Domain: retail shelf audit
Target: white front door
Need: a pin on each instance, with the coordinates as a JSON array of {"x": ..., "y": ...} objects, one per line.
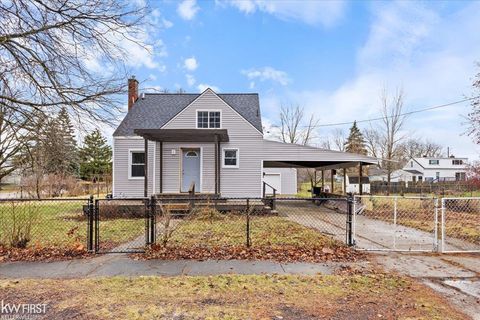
[
  {"x": 190, "y": 169},
  {"x": 275, "y": 180}
]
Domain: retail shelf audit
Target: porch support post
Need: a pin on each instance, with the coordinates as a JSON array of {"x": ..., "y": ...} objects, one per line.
[
  {"x": 332, "y": 173},
  {"x": 216, "y": 164},
  {"x": 219, "y": 161},
  {"x": 360, "y": 178},
  {"x": 161, "y": 167},
  {"x": 145, "y": 170},
  {"x": 344, "y": 181}
]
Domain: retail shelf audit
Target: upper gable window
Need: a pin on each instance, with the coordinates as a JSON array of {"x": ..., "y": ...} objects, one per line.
[
  {"x": 208, "y": 119},
  {"x": 457, "y": 162},
  {"x": 433, "y": 162}
]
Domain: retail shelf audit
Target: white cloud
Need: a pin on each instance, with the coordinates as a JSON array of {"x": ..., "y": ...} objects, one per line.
[
  {"x": 267, "y": 73},
  {"x": 312, "y": 12},
  {"x": 418, "y": 49},
  {"x": 190, "y": 64},
  {"x": 203, "y": 86},
  {"x": 187, "y": 9},
  {"x": 190, "y": 80}
]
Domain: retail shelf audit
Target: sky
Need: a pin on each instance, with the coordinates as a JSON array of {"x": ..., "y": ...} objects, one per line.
[{"x": 331, "y": 58}]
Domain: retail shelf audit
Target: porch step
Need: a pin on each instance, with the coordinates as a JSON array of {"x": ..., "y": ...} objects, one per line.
[{"x": 179, "y": 196}]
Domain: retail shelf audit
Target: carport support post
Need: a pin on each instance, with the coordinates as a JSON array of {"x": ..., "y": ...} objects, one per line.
[
  {"x": 360, "y": 176},
  {"x": 332, "y": 173},
  {"x": 344, "y": 181},
  {"x": 145, "y": 170},
  {"x": 323, "y": 181}
]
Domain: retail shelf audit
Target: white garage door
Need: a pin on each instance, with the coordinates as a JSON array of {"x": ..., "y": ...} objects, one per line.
[{"x": 275, "y": 180}]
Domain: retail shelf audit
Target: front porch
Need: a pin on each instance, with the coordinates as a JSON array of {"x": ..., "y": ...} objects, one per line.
[{"x": 187, "y": 137}]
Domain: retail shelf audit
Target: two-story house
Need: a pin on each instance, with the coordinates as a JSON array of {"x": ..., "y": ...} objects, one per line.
[
  {"x": 436, "y": 169},
  {"x": 168, "y": 142}
]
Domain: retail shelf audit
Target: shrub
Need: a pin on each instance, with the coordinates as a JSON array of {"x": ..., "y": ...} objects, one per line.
[{"x": 17, "y": 228}]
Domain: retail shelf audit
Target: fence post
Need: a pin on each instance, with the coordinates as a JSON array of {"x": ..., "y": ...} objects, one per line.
[
  {"x": 97, "y": 227},
  {"x": 435, "y": 230},
  {"x": 90, "y": 224},
  {"x": 153, "y": 209},
  {"x": 442, "y": 248},
  {"x": 395, "y": 200},
  {"x": 248, "y": 223},
  {"x": 349, "y": 226}
]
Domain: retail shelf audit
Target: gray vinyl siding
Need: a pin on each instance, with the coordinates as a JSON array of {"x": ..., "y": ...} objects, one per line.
[
  {"x": 244, "y": 181},
  {"x": 123, "y": 186},
  {"x": 288, "y": 178}
]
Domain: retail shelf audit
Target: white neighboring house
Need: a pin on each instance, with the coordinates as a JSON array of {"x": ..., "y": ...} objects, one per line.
[
  {"x": 436, "y": 169},
  {"x": 354, "y": 187},
  {"x": 401, "y": 175}
]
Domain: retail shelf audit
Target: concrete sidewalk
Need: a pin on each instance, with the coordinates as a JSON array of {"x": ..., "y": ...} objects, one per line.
[
  {"x": 121, "y": 265},
  {"x": 456, "y": 277}
]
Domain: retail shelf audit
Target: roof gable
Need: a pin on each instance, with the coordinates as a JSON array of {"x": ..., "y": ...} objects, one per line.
[{"x": 157, "y": 109}]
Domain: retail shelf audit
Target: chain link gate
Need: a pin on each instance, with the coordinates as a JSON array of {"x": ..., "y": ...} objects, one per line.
[
  {"x": 121, "y": 225},
  {"x": 395, "y": 223}
]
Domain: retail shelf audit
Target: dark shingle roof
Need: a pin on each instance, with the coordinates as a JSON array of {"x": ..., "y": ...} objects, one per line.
[{"x": 156, "y": 109}]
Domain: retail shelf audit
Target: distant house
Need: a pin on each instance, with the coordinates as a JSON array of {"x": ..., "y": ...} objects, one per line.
[
  {"x": 169, "y": 143},
  {"x": 353, "y": 185},
  {"x": 436, "y": 169},
  {"x": 377, "y": 174}
]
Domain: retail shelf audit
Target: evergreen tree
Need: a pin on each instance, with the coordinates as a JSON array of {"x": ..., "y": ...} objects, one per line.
[
  {"x": 58, "y": 145},
  {"x": 95, "y": 156},
  {"x": 355, "y": 142}
]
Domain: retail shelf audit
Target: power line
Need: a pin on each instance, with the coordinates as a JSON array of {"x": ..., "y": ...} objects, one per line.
[{"x": 402, "y": 114}]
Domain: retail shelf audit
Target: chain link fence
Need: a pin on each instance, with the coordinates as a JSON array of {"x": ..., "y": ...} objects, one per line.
[
  {"x": 130, "y": 225},
  {"x": 187, "y": 224},
  {"x": 460, "y": 229},
  {"x": 46, "y": 223}
]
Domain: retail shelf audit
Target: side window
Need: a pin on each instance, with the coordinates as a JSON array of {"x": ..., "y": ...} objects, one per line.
[
  {"x": 230, "y": 158},
  {"x": 137, "y": 164}
]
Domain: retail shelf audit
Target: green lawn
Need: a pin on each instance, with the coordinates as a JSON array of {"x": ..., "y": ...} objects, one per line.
[
  {"x": 60, "y": 224},
  {"x": 375, "y": 296}
]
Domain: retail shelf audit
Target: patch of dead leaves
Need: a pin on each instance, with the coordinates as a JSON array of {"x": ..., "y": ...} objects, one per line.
[
  {"x": 38, "y": 253},
  {"x": 276, "y": 253}
]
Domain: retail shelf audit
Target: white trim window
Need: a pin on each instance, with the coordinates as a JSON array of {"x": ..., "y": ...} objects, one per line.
[
  {"x": 231, "y": 158},
  {"x": 136, "y": 165},
  {"x": 209, "y": 119}
]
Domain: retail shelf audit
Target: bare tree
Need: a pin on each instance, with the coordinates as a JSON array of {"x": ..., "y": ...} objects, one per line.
[
  {"x": 294, "y": 128},
  {"x": 413, "y": 148},
  {"x": 339, "y": 139},
  {"x": 373, "y": 142},
  {"x": 45, "y": 49},
  {"x": 474, "y": 115},
  {"x": 390, "y": 130}
]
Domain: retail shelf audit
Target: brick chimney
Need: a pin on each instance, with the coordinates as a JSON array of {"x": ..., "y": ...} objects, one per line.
[{"x": 132, "y": 91}]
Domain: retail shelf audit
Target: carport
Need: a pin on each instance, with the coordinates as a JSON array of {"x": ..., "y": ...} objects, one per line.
[{"x": 284, "y": 155}]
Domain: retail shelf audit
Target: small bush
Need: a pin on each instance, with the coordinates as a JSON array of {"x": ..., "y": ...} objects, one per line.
[{"x": 17, "y": 232}]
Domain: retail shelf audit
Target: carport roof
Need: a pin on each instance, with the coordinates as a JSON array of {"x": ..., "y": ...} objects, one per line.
[{"x": 288, "y": 155}]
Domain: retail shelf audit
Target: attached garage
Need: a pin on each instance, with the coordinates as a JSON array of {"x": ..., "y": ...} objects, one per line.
[{"x": 284, "y": 180}]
